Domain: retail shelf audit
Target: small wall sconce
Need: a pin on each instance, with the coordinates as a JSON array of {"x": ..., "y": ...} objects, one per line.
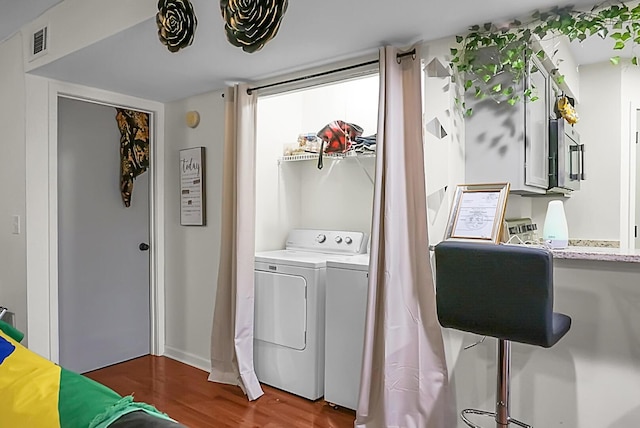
[{"x": 192, "y": 118}]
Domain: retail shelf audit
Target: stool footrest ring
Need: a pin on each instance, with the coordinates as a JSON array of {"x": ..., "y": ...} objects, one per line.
[{"x": 465, "y": 412}]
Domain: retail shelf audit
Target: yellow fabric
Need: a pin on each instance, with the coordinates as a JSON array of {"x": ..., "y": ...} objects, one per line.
[
  {"x": 29, "y": 387},
  {"x": 567, "y": 110}
]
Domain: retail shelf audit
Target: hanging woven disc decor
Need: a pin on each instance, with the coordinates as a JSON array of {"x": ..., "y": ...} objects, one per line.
[
  {"x": 176, "y": 23},
  {"x": 250, "y": 24}
]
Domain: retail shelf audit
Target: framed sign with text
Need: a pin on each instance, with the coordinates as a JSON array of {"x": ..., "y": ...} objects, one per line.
[
  {"x": 477, "y": 212},
  {"x": 192, "y": 187}
]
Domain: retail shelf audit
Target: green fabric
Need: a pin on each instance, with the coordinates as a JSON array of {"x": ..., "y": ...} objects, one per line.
[
  {"x": 80, "y": 399},
  {"x": 124, "y": 406},
  {"x": 11, "y": 331}
]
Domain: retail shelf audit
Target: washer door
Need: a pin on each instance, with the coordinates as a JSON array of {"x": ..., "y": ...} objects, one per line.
[{"x": 281, "y": 309}]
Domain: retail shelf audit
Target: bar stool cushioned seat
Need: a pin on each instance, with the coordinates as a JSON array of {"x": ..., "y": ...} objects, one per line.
[{"x": 502, "y": 291}]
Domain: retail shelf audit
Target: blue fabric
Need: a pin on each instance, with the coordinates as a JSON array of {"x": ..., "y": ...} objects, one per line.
[{"x": 6, "y": 349}]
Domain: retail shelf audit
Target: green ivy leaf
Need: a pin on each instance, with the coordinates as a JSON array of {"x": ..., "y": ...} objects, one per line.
[
  {"x": 468, "y": 112},
  {"x": 513, "y": 43},
  {"x": 508, "y": 91},
  {"x": 468, "y": 84}
]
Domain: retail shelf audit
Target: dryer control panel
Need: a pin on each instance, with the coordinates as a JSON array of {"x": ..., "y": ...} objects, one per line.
[{"x": 327, "y": 241}]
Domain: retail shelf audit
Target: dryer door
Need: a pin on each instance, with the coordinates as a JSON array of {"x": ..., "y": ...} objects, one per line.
[{"x": 281, "y": 309}]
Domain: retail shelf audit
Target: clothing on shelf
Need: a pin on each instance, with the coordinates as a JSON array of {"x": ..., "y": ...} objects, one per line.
[{"x": 365, "y": 145}]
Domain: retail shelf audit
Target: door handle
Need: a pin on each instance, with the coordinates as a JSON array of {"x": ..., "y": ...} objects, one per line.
[
  {"x": 143, "y": 246},
  {"x": 582, "y": 176},
  {"x": 574, "y": 149}
]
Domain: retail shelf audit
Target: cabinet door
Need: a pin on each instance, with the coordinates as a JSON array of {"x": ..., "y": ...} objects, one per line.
[{"x": 536, "y": 166}]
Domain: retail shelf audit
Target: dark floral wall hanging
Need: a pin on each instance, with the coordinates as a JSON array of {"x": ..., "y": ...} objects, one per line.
[
  {"x": 176, "y": 23},
  {"x": 250, "y": 24},
  {"x": 134, "y": 149}
]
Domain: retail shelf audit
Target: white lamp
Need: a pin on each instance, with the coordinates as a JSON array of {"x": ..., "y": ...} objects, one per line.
[{"x": 555, "y": 231}]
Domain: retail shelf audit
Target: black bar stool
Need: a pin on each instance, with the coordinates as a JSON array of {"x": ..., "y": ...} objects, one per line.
[{"x": 502, "y": 291}]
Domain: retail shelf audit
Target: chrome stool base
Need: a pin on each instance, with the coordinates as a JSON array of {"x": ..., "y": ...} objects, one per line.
[
  {"x": 501, "y": 415},
  {"x": 510, "y": 420}
]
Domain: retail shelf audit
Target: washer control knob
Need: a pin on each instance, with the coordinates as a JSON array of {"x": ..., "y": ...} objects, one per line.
[
  {"x": 348, "y": 240},
  {"x": 338, "y": 239},
  {"x": 321, "y": 238}
]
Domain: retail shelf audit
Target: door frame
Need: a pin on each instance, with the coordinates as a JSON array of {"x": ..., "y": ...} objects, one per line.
[{"x": 42, "y": 208}]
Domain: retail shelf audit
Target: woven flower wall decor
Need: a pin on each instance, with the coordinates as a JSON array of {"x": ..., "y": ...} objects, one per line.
[
  {"x": 250, "y": 24},
  {"x": 176, "y": 23}
]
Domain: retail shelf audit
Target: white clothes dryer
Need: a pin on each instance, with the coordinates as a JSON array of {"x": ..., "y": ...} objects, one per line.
[
  {"x": 290, "y": 308},
  {"x": 346, "y": 309}
]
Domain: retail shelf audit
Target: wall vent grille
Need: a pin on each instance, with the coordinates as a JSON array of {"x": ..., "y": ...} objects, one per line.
[{"x": 39, "y": 42}]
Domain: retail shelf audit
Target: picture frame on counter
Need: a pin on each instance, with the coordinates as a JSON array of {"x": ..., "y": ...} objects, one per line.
[
  {"x": 192, "y": 187},
  {"x": 477, "y": 212}
]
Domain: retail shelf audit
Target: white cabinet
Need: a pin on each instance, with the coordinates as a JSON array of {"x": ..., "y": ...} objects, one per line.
[{"x": 510, "y": 143}]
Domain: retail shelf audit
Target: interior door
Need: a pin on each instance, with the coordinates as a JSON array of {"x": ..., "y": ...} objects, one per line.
[{"x": 103, "y": 275}]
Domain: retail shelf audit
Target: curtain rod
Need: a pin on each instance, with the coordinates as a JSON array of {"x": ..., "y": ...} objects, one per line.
[{"x": 325, "y": 73}]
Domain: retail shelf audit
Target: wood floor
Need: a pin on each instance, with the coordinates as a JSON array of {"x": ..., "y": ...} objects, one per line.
[{"x": 184, "y": 393}]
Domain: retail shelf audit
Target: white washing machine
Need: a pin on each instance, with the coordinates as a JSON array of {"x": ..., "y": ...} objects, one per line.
[
  {"x": 346, "y": 309},
  {"x": 290, "y": 308}
]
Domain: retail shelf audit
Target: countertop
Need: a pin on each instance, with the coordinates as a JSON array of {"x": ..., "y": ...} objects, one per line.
[
  {"x": 607, "y": 254},
  {"x": 598, "y": 253}
]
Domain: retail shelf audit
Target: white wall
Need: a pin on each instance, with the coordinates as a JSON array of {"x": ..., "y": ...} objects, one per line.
[
  {"x": 13, "y": 275},
  {"x": 75, "y": 24},
  {"x": 444, "y": 157},
  {"x": 297, "y": 194},
  {"x": 593, "y": 212},
  {"x": 192, "y": 252}
]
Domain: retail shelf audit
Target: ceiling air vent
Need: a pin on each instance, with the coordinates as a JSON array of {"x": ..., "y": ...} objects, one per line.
[{"x": 39, "y": 42}]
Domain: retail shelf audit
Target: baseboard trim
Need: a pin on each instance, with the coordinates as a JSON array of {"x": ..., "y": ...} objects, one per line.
[{"x": 187, "y": 358}]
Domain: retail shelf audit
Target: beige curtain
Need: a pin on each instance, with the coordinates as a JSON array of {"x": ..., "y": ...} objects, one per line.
[
  {"x": 232, "y": 332},
  {"x": 404, "y": 374}
]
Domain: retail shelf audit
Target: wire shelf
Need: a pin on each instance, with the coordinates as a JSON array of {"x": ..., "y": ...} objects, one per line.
[{"x": 314, "y": 156}]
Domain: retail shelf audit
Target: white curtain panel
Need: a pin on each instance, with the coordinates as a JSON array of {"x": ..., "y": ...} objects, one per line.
[
  {"x": 232, "y": 332},
  {"x": 404, "y": 374}
]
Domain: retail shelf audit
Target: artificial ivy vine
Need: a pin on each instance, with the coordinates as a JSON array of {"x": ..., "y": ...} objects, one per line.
[{"x": 514, "y": 41}]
